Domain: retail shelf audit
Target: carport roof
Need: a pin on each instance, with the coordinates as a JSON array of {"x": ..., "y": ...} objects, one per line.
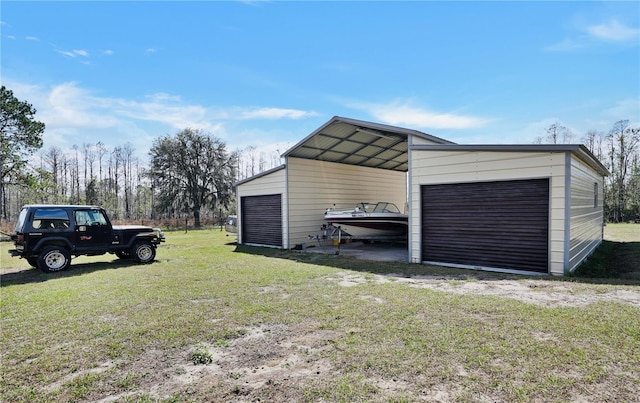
[{"x": 358, "y": 142}]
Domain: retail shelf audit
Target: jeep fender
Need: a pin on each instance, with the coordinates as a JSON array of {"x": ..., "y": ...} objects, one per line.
[
  {"x": 58, "y": 241},
  {"x": 144, "y": 236}
]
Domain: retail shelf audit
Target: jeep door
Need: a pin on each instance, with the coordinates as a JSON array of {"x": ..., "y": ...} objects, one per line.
[{"x": 93, "y": 230}]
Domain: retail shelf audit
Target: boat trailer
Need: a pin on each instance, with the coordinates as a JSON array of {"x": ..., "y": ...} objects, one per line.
[{"x": 337, "y": 235}]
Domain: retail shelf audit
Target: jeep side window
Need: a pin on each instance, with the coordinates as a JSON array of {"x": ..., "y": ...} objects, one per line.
[
  {"x": 97, "y": 218},
  {"x": 21, "y": 219},
  {"x": 50, "y": 219},
  {"x": 90, "y": 217}
]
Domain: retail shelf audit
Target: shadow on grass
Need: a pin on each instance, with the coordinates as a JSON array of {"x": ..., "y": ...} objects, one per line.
[
  {"x": 612, "y": 260},
  {"x": 622, "y": 262},
  {"x": 33, "y": 275}
]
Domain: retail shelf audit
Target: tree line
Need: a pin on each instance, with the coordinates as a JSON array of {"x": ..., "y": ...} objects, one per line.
[
  {"x": 191, "y": 174},
  {"x": 619, "y": 151}
]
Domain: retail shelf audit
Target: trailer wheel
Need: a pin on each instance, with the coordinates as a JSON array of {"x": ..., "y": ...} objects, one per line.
[
  {"x": 144, "y": 252},
  {"x": 53, "y": 259}
]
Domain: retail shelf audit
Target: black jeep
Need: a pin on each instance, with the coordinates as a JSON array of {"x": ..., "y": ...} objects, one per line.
[{"x": 48, "y": 235}]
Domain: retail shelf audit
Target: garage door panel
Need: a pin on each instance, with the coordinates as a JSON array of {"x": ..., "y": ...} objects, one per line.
[
  {"x": 492, "y": 224},
  {"x": 262, "y": 220}
]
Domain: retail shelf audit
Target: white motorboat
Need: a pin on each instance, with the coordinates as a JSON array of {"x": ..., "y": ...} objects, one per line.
[{"x": 369, "y": 221}]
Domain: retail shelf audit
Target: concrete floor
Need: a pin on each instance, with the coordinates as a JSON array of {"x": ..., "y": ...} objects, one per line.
[{"x": 379, "y": 251}]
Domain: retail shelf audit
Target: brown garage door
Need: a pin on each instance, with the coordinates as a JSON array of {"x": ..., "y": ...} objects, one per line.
[
  {"x": 262, "y": 220},
  {"x": 487, "y": 224}
]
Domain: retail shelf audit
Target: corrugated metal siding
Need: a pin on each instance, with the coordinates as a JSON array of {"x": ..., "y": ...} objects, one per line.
[
  {"x": 487, "y": 224},
  {"x": 586, "y": 219},
  {"x": 262, "y": 220},
  {"x": 441, "y": 167},
  {"x": 314, "y": 186},
  {"x": 273, "y": 183}
]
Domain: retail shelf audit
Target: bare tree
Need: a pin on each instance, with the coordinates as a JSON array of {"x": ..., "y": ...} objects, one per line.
[
  {"x": 622, "y": 143},
  {"x": 557, "y": 134}
]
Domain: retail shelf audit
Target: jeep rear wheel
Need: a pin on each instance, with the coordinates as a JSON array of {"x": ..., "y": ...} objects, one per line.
[
  {"x": 33, "y": 261},
  {"x": 53, "y": 259},
  {"x": 144, "y": 252}
]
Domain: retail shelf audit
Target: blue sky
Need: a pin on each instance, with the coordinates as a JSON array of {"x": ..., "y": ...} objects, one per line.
[{"x": 267, "y": 74}]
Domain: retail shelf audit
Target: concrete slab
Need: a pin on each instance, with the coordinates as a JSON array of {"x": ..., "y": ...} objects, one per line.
[{"x": 378, "y": 251}]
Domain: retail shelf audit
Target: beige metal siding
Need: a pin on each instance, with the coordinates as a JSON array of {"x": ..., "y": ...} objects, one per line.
[
  {"x": 314, "y": 186},
  {"x": 442, "y": 167},
  {"x": 586, "y": 219},
  {"x": 273, "y": 183}
]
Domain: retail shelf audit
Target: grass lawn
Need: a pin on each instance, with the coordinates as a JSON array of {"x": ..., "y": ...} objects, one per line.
[{"x": 210, "y": 321}]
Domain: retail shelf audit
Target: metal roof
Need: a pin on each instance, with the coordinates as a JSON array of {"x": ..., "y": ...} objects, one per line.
[{"x": 357, "y": 142}]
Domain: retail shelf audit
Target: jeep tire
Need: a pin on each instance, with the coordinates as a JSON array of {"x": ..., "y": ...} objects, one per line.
[
  {"x": 53, "y": 259},
  {"x": 144, "y": 252}
]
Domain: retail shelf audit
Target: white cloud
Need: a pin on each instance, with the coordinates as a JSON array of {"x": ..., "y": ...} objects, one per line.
[
  {"x": 75, "y": 115},
  {"x": 402, "y": 113},
  {"x": 274, "y": 113},
  {"x": 591, "y": 35},
  {"x": 176, "y": 116},
  {"x": 625, "y": 109},
  {"x": 68, "y": 105},
  {"x": 567, "y": 44},
  {"x": 614, "y": 31},
  {"x": 73, "y": 53},
  {"x": 66, "y": 53}
]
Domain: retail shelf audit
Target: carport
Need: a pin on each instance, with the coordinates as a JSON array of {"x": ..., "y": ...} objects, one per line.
[
  {"x": 516, "y": 208},
  {"x": 344, "y": 162}
]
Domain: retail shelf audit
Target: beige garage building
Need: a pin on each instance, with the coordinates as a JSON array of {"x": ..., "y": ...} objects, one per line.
[{"x": 519, "y": 208}]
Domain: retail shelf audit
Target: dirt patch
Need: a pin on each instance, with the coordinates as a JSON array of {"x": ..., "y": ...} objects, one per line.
[
  {"x": 268, "y": 363},
  {"x": 539, "y": 292},
  {"x": 542, "y": 292}
]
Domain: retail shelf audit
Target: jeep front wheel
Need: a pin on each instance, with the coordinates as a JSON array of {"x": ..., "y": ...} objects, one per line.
[
  {"x": 144, "y": 252},
  {"x": 53, "y": 259}
]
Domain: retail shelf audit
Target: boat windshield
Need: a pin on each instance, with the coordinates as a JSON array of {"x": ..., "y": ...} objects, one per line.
[{"x": 384, "y": 207}]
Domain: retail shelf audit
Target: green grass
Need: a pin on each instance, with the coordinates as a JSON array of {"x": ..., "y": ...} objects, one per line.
[
  {"x": 618, "y": 257},
  {"x": 278, "y": 326}
]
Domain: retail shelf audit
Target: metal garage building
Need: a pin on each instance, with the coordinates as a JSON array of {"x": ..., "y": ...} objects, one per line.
[{"x": 520, "y": 208}]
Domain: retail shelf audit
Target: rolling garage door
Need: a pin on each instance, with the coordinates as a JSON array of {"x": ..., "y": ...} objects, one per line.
[
  {"x": 262, "y": 220},
  {"x": 488, "y": 224}
]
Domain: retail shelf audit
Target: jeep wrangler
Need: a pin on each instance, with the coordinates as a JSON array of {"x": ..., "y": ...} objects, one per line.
[{"x": 48, "y": 235}]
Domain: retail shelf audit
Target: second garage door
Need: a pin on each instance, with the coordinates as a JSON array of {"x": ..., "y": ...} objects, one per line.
[
  {"x": 262, "y": 220},
  {"x": 501, "y": 225}
]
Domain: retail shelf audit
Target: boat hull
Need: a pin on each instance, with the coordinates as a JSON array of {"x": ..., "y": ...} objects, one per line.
[{"x": 370, "y": 227}]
